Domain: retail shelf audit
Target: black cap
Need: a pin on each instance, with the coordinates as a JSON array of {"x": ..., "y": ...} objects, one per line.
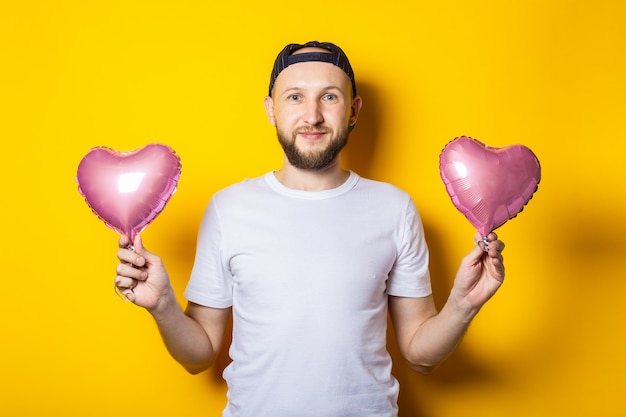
[{"x": 336, "y": 57}]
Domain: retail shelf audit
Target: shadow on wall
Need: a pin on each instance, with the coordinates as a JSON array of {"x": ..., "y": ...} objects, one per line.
[
  {"x": 180, "y": 245},
  {"x": 459, "y": 370},
  {"x": 361, "y": 148},
  {"x": 185, "y": 250}
]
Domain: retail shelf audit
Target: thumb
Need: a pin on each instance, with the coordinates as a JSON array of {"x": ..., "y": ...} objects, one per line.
[
  {"x": 138, "y": 244},
  {"x": 141, "y": 251},
  {"x": 477, "y": 251}
]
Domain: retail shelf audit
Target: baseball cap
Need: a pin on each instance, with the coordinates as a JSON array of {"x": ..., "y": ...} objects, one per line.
[{"x": 336, "y": 57}]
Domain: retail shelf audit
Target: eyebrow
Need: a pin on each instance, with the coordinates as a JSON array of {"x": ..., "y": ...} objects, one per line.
[{"x": 298, "y": 89}]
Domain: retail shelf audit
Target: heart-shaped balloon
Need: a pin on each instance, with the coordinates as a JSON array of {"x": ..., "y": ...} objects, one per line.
[
  {"x": 127, "y": 190},
  {"x": 488, "y": 185}
]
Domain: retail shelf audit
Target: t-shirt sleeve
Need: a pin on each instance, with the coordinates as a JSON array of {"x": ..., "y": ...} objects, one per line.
[
  {"x": 410, "y": 276},
  {"x": 210, "y": 284}
]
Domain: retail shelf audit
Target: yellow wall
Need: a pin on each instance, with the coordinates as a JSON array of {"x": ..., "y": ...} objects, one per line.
[{"x": 193, "y": 74}]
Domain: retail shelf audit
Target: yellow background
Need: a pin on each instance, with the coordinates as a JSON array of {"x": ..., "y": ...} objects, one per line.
[{"x": 193, "y": 74}]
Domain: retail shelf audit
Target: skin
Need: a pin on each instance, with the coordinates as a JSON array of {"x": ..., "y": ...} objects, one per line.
[{"x": 311, "y": 107}]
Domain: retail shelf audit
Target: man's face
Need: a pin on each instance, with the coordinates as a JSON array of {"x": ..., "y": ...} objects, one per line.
[{"x": 312, "y": 107}]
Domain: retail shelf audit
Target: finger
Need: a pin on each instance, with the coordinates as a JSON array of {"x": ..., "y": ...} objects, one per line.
[
  {"x": 123, "y": 241},
  {"x": 496, "y": 255},
  {"x": 483, "y": 241},
  {"x": 128, "y": 270},
  {"x": 496, "y": 258},
  {"x": 491, "y": 241},
  {"x": 128, "y": 256},
  {"x": 497, "y": 245},
  {"x": 126, "y": 294},
  {"x": 131, "y": 254},
  {"x": 125, "y": 283}
]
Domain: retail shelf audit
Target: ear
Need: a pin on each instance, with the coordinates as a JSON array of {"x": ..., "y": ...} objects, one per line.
[
  {"x": 269, "y": 110},
  {"x": 357, "y": 102}
]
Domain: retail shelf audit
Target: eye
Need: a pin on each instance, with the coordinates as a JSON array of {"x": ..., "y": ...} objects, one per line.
[
  {"x": 329, "y": 97},
  {"x": 294, "y": 97}
]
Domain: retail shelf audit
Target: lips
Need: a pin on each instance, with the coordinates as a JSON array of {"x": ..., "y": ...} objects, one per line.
[{"x": 312, "y": 134}]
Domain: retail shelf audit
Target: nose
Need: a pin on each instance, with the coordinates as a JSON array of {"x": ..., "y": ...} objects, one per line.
[{"x": 313, "y": 113}]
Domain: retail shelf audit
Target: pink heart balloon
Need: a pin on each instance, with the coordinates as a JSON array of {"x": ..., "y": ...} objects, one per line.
[
  {"x": 127, "y": 190},
  {"x": 488, "y": 185}
]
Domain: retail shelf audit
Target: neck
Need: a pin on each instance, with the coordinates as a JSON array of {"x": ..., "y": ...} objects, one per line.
[{"x": 307, "y": 180}]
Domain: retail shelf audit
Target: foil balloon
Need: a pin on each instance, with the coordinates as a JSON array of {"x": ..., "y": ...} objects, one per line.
[
  {"x": 128, "y": 190},
  {"x": 488, "y": 185}
]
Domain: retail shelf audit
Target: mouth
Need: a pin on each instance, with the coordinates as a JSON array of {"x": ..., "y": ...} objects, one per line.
[{"x": 310, "y": 134}]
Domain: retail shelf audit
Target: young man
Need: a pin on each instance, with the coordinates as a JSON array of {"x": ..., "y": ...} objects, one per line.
[{"x": 309, "y": 259}]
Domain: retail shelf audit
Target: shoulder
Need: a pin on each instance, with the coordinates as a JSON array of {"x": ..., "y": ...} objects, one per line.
[
  {"x": 241, "y": 189},
  {"x": 383, "y": 190}
]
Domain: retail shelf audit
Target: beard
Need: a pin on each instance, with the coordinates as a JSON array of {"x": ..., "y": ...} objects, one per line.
[{"x": 314, "y": 160}]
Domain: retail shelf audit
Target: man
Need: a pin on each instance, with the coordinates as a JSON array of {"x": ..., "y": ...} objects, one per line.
[{"x": 309, "y": 259}]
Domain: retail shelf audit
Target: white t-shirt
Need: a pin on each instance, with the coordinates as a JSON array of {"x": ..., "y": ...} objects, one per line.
[{"x": 308, "y": 275}]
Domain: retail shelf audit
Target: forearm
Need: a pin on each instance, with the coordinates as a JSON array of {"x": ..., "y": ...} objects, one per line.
[
  {"x": 438, "y": 337},
  {"x": 185, "y": 339},
  {"x": 427, "y": 337}
]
